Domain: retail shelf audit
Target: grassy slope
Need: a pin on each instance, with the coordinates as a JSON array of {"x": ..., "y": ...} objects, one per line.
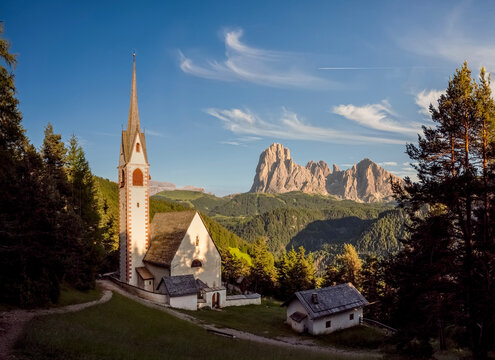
[
  {"x": 122, "y": 329},
  {"x": 268, "y": 320},
  {"x": 70, "y": 296}
]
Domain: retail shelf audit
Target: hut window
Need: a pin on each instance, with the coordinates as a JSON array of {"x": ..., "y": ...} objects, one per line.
[
  {"x": 197, "y": 240},
  {"x": 328, "y": 324},
  {"x": 137, "y": 178},
  {"x": 351, "y": 316},
  {"x": 196, "y": 263},
  {"x": 137, "y": 147}
]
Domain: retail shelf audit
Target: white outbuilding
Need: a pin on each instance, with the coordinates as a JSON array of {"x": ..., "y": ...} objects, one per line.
[{"x": 322, "y": 311}]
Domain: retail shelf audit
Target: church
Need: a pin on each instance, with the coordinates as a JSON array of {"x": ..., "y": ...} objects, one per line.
[{"x": 175, "y": 260}]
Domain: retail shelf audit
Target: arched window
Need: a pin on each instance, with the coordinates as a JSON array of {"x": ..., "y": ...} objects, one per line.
[
  {"x": 196, "y": 263},
  {"x": 137, "y": 178},
  {"x": 137, "y": 147}
]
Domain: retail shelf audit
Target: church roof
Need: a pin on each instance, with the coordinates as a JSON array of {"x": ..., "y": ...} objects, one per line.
[
  {"x": 167, "y": 231},
  {"x": 133, "y": 124},
  {"x": 180, "y": 285},
  {"x": 330, "y": 300}
]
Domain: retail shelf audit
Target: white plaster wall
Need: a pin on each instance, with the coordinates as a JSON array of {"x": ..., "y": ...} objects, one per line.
[
  {"x": 137, "y": 231},
  {"x": 158, "y": 272},
  {"x": 209, "y": 297},
  {"x": 296, "y": 306},
  {"x": 339, "y": 321},
  {"x": 188, "y": 302},
  {"x": 242, "y": 302},
  {"x": 155, "y": 297},
  {"x": 206, "y": 252},
  {"x": 138, "y": 206}
]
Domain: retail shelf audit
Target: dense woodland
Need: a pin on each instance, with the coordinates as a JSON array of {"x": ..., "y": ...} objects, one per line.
[{"x": 427, "y": 266}]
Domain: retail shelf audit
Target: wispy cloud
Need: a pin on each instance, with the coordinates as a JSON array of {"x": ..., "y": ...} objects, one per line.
[
  {"x": 375, "y": 116},
  {"x": 452, "y": 40},
  {"x": 388, "y": 163},
  {"x": 246, "y": 63},
  {"x": 289, "y": 126},
  {"x": 241, "y": 141},
  {"x": 235, "y": 143},
  {"x": 154, "y": 133},
  {"x": 425, "y": 98}
]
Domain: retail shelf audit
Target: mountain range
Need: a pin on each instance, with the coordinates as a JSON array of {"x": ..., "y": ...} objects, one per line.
[{"x": 277, "y": 173}]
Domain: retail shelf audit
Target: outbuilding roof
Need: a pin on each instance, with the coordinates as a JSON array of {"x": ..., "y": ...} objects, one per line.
[
  {"x": 167, "y": 231},
  {"x": 180, "y": 285},
  {"x": 298, "y": 316},
  {"x": 329, "y": 300},
  {"x": 144, "y": 273}
]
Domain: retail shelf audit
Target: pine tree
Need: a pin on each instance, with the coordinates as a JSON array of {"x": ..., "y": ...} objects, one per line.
[
  {"x": 455, "y": 189},
  {"x": 85, "y": 205},
  {"x": 296, "y": 272},
  {"x": 28, "y": 272}
]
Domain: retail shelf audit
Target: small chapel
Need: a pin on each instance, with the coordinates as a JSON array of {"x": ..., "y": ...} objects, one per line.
[{"x": 174, "y": 260}]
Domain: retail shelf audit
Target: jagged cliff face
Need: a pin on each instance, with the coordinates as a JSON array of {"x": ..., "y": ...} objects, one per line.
[{"x": 278, "y": 173}]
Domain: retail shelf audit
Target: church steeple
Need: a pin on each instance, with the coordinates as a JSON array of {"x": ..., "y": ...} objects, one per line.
[{"x": 133, "y": 125}]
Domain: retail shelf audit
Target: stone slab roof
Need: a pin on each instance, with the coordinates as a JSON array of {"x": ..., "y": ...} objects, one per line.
[
  {"x": 167, "y": 232},
  {"x": 330, "y": 300},
  {"x": 180, "y": 285},
  {"x": 298, "y": 316},
  {"x": 144, "y": 273}
]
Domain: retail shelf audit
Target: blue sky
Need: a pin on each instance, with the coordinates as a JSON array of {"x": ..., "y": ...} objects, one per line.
[{"x": 219, "y": 81}]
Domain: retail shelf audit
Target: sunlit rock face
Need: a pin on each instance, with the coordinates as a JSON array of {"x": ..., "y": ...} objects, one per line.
[{"x": 278, "y": 173}]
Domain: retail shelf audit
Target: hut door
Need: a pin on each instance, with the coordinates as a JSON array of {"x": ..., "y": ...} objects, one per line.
[
  {"x": 213, "y": 300},
  {"x": 217, "y": 304}
]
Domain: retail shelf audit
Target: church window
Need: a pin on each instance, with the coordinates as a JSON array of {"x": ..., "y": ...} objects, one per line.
[
  {"x": 197, "y": 240},
  {"x": 137, "y": 204},
  {"x": 137, "y": 178},
  {"x": 137, "y": 147},
  {"x": 196, "y": 263}
]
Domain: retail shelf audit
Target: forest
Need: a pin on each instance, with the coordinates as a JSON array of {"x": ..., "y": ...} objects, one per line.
[{"x": 436, "y": 280}]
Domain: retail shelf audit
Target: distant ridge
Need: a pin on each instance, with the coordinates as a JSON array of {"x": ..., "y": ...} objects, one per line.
[
  {"x": 158, "y": 186},
  {"x": 365, "y": 182}
]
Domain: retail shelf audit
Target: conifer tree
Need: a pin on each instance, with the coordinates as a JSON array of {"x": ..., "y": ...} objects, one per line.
[{"x": 455, "y": 190}]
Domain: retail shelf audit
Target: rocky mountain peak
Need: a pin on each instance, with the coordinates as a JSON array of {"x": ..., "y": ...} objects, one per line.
[{"x": 276, "y": 172}]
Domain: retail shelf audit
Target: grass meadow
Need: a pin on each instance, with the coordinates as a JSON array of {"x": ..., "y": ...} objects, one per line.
[{"x": 123, "y": 329}]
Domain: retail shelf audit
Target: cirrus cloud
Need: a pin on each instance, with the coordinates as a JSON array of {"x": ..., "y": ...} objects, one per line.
[
  {"x": 259, "y": 66},
  {"x": 289, "y": 125}
]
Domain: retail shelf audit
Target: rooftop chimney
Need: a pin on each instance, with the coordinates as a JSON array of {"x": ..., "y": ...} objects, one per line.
[{"x": 314, "y": 297}]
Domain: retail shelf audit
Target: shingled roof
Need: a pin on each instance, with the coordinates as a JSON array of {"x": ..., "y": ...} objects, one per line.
[
  {"x": 133, "y": 124},
  {"x": 180, "y": 285},
  {"x": 329, "y": 300},
  {"x": 167, "y": 232},
  {"x": 144, "y": 273}
]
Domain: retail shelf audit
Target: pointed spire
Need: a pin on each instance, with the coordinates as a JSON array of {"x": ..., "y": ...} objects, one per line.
[{"x": 133, "y": 125}]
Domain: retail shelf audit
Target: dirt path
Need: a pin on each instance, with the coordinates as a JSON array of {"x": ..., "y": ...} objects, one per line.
[
  {"x": 12, "y": 322},
  {"x": 286, "y": 342}
]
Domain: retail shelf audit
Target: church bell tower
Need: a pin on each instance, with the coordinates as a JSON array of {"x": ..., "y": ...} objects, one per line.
[{"x": 134, "y": 230}]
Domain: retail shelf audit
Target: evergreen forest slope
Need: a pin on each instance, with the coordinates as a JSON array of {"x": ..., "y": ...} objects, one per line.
[{"x": 294, "y": 219}]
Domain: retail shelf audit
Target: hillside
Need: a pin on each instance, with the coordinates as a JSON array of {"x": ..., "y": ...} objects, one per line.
[{"x": 317, "y": 222}]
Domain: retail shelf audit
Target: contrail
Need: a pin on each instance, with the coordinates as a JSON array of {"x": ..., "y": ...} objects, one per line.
[{"x": 358, "y": 68}]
